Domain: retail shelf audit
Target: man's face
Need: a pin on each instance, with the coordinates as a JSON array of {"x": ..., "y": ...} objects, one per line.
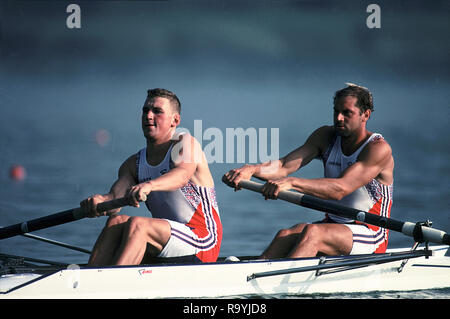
[
  {"x": 158, "y": 119},
  {"x": 348, "y": 118}
]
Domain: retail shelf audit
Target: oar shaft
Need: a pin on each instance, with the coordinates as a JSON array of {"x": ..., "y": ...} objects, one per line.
[
  {"x": 407, "y": 228},
  {"x": 351, "y": 213},
  {"x": 60, "y": 218},
  {"x": 57, "y": 243}
]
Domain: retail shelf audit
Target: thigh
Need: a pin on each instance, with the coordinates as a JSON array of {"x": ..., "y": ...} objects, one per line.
[
  {"x": 334, "y": 239},
  {"x": 294, "y": 231},
  {"x": 153, "y": 230},
  {"x": 185, "y": 242},
  {"x": 114, "y": 227}
]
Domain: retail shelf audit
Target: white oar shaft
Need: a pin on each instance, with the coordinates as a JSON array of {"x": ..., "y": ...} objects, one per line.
[{"x": 430, "y": 234}]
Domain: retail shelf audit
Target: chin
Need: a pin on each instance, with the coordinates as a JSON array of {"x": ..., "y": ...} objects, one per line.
[
  {"x": 149, "y": 136},
  {"x": 339, "y": 131}
]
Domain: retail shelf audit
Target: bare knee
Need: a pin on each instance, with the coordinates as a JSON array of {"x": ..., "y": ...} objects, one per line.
[
  {"x": 115, "y": 219},
  {"x": 142, "y": 227},
  {"x": 155, "y": 233},
  {"x": 311, "y": 232},
  {"x": 135, "y": 225},
  {"x": 283, "y": 233},
  {"x": 294, "y": 230}
]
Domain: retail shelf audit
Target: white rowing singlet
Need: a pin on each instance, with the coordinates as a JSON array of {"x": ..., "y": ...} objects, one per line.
[
  {"x": 374, "y": 197},
  {"x": 192, "y": 205}
]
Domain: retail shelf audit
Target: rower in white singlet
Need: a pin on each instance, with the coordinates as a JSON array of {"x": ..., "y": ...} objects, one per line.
[
  {"x": 374, "y": 197},
  {"x": 358, "y": 173},
  {"x": 192, "y": 212},
  {"x": 180, "y": 194}
]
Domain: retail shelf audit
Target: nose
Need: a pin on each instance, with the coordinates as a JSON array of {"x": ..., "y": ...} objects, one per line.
[
  {"x": 149, "y": 114},
  {"x": 339, "y": 117}
]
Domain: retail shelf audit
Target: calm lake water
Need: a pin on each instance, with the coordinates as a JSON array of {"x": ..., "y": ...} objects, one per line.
[{"x": 262, "y": 66}]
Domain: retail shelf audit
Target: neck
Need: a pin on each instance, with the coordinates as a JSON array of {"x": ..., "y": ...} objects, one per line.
[
  {"x": 156, "y": 146},
  {"x": 156, "y": 152},
  {"x": 351, "y": 143},
  {"x": 159, "y": 145}
]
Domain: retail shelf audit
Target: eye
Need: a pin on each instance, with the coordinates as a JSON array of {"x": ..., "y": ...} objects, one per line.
[
  {"x": 348, "y": 113},
  {"x": 145, "y": 110}
]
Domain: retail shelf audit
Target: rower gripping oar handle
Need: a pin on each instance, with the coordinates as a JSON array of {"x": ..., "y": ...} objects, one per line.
[
  {"x": 410, "y": 229},
  {"x": 66, "y": 216}
]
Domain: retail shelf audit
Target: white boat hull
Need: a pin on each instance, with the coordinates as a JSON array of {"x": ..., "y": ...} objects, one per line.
[{"x": 227, "y": 279}]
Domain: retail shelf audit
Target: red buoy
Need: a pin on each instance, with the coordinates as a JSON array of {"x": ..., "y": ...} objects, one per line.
[{"x": 17, "y": 173}]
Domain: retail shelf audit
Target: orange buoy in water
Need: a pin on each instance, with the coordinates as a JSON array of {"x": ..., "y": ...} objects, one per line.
[{"x": 17, "y": 173}]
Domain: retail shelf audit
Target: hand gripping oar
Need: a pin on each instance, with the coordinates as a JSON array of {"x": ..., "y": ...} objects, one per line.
[
  {"x": 416, "y": 230},
  {"x": 63, "y": 217}
]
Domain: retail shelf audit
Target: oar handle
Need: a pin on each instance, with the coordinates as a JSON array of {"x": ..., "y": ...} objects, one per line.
[
  {"x": 289, "y": 196},
  {"x": 113, "y": 204},
  {"x": 410, "y": 229},
  {"x": 66, "y": 216}
]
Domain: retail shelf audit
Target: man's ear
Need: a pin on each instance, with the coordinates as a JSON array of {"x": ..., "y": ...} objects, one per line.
[
  {"x": 176, "y": 120},
  {"x": 367, "y": 115}
]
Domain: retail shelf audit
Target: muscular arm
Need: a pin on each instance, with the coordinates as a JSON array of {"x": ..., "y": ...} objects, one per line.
[
  {"x": 303, "y": 155},
  {"x": 126, "y": 178},
  {"x": 189, "y": 162},
  {"x": 373, "y": 160},
  {"x": 314, "y": 146},
  {"x": 186, "y": 156}
]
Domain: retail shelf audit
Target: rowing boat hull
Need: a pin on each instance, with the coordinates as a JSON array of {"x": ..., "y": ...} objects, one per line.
[{"x": 224, "y": 279}]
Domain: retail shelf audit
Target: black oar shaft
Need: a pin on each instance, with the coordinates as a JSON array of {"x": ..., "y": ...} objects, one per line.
[
  {"x": 351, "y": 213},
  {"x": 410, "y": 229},
  {"x": 60, "y": 218}
]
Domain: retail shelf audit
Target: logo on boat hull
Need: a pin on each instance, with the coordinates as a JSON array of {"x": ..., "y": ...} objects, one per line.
[{"x": 145, "y": 271}]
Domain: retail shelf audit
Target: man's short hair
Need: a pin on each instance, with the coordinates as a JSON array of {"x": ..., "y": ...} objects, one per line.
[
  {"x": 364, "y": 97},
  {"x": 174, "y": 101}
]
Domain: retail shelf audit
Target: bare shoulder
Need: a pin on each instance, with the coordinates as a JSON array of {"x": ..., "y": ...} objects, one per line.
[
  {"x": 184, "y": 138},
  {"x": 378, "y": 154},
  {"x": 187, "y": 150},
  {"x": 379, "y": 144},
  {"x": 378, "y": 149},
  {"x": 325, "y": 132},
  {"x": 128, "y": 167},
  {"x": 193, "y": 161},
  {"x": 322, "y": 137}
]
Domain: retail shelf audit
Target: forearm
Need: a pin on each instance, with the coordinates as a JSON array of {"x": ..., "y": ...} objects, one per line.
[
  {"x": 172, "y": 180},
  {"x": 118, "y": 190},
  {"x": 89, "y": 205},
  {"x": 269, "y": 170},
  {"x": 109, "y": 197},
  {"x": 325, "y": 188}
]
